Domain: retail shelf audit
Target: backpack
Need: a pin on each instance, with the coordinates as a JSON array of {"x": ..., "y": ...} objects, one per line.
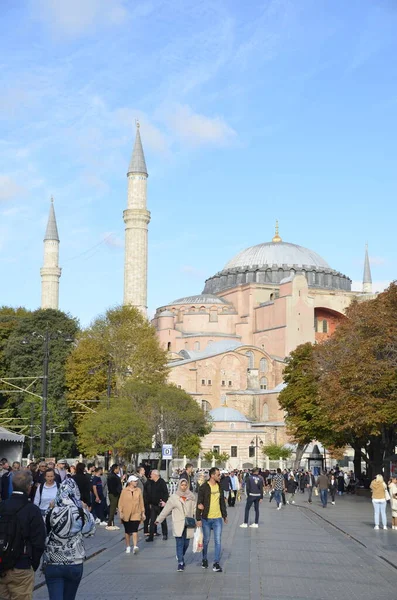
[
  {"x": 41, "y": 489},
  {"x": 11, "y": 538}
]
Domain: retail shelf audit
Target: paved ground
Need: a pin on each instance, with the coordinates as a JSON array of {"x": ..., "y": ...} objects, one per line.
[{"x": 301, "y": 552}]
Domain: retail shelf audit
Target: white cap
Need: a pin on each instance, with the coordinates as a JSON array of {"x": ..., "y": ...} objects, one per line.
[{"x": 132, "y": 478}]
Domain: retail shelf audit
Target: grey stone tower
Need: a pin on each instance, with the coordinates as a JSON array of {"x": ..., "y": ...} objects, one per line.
[
  {"x": 50, "y": 272},
  {"x": 367, "y": 279},
  {"x": 136, "y": 219}
]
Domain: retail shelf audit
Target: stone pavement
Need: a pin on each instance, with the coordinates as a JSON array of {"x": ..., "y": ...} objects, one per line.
[{"x": 298, "y": 553}]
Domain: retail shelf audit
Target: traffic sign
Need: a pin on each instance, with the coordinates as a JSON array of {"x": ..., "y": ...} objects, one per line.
[{"x": 167, "y": 451}]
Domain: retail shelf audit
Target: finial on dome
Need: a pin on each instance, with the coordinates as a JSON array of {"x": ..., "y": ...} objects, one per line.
[{"x": 276, "y": 237}]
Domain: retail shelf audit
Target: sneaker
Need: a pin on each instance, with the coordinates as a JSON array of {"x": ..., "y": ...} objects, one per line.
[
  {"x": 128, "y": 550},
  {"x": 97, "y": 521},
  {"x": 103, "y": 524},
  {"x": 279, "y": 507},
  {"x": 181, "y": 567},
  {"x": 135, "y": 550},
  {"x": 287, "y": 501},
  {"x": 384, "y": 527},
  {"x": 111, "y": 527},
  {"x": 254, "y": 525},
  {"x": 244, "y": 525},
  {"x": 376, "y": 527},
  {"x": 217, "y": 568},
  {"x": 149, "y": 539},
  {"x": 293, "y": 502},
  {"x": 332, "y": 502},
  {"x": 204, "y": 563}
]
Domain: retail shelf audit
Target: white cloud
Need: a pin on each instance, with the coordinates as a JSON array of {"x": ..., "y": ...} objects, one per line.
[
  {"x": 197, "y": 129},
  {"x": 9, "y": 188},
  {"x": 75, "y": 17}
]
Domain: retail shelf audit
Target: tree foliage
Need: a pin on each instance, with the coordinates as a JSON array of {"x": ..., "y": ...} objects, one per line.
[
  {"x": 275, "y": 451},
  {"x": 344, "y": 391},
  {"x": 23, "y": 356},
  {"x": 169, "y": 415},
  {"x": 123, "y": 337},
  {"x": 221, "y": 458}
]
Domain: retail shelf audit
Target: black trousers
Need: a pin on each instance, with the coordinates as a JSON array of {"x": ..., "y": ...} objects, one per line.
[
  {"x": 232, "y": 498},
  {"x": 154, "y": 513},
  {"x": 252, "y": 501},
  {"x": 147, "y": 520}
]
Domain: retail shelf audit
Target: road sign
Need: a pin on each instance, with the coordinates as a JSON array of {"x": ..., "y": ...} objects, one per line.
[{"x": 167, "y": 451}]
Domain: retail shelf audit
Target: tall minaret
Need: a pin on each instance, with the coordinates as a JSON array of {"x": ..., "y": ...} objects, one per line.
[
  {"x": 367, "y": 279},
  {"x": 50, "y": 272},
  {"x": 136, "y": 219}
]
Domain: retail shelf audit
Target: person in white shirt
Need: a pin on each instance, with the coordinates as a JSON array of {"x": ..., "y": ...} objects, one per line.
[{"x": 46, "y": 492}]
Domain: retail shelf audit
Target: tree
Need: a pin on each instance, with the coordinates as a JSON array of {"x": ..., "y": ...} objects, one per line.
[
  {"x": 274, "y": 451},
  {"x": 23, "y": 355},
  {"x": 122, "y": 340},
  {"x": 358, "y": 378},
  {"x": 220, "y": 458},
  {"x": 119, "y": 429},
  {"x": 9, "y": 319},
  {"x": 300, "y": 399}
]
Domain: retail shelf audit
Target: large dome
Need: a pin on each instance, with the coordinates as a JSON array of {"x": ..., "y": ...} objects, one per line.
[{"x": 277, "y": 253}]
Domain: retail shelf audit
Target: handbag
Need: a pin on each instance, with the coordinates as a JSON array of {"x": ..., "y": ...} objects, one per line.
[
  {"x": 387, "y": 496},
  {"x": 190, "y": 522}
]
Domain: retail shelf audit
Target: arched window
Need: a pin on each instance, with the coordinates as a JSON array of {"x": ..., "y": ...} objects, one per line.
[
  {"x": 202, "y": 309},
  {"x": 263, "y": 365},
  {"x": 325, "y": 326},
  {"x": 206, "y": 406},
  {"x": 263, "y": 383},
  {"x": 169, "y": 346},
  {"x": 250, "y": 356},
  {"x": 265, "y": 412},
  {"x": 197, "y": 345},
  {"x": 192, "y": 309},
  {"x": 232, "y": 426}
]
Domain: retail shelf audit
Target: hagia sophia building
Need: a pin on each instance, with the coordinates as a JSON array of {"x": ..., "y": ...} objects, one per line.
[{"x": 227, "y": 344}]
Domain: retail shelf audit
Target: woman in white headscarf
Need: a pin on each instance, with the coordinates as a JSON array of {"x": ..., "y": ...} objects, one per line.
[
  {"x": 182, "y": 507},
  {"x": 67, "y": 522}
]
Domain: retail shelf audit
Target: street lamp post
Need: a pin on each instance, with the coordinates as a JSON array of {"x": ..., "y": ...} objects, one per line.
[{"x": 256, "y": 443}]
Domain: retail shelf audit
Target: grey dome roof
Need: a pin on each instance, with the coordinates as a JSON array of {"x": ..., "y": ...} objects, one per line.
[
  {"x": 200, "y": 299},
  {"x": 224, "y": 413},
  {"x": 277, "y": 253}
]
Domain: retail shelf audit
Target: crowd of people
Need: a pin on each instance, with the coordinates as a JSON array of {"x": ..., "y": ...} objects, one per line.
[{"x": 48, "y": 508}]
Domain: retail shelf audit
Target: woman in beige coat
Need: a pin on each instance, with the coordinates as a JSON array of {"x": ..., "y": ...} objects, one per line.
[
  {"x": 378, "y": 488},
  {"x": 132, "y": 512},
  {"x": 180, "y": 505}
]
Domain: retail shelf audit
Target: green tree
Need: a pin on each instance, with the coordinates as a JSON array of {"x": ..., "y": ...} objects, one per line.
[
  {"x": 123, "y": 337},
  {"x": 220, "y": 458},
  {"x": 120, "y": 429},
  {"x": 23, "y": 355},
  {"x": 274, "y": 451}
]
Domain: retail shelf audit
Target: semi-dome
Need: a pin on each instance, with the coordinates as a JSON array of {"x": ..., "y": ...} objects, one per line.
[
  {"x": 277, "y": 253},
  {"x": 199, "y": 299},
  {"x": 224, "y": 413}
]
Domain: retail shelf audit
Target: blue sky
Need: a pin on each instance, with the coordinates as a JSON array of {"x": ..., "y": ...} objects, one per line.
[{"x": 249, "y": 112}]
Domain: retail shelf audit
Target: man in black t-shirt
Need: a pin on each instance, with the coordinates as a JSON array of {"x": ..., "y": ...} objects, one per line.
[{"x": 98, "y": 506}]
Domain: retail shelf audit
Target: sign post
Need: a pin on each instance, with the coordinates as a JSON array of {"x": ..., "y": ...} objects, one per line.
[{"x": 167, "y": 455}]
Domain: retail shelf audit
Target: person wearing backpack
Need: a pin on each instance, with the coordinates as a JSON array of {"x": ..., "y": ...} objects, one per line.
[
  {"x": 46, "y": 492},
  {"x": 22, "y": 538}
]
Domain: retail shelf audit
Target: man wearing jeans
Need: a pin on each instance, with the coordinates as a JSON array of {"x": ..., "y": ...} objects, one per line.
[
  {"x": 254, "y": 491},
  {"x": 322, "y": 484},
  {"x": 211, "y": 514}
]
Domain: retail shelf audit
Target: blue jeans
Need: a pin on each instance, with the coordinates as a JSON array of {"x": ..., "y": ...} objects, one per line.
[
  {"x": 380, "y": 508},
  {"x": 324, "y": 497},
  {"x": 277, "y": 496},
  {"x": 182, "y": 544},
  {"x": 216, "y": 526},
  {"x": 63, "y": 581}
]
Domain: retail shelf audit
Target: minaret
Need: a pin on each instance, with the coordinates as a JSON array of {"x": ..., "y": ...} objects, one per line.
[
  {"x": 367, "y": 279},
  {"x": 136, "y": 219},
  {"x": 50, "y": 272}
]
